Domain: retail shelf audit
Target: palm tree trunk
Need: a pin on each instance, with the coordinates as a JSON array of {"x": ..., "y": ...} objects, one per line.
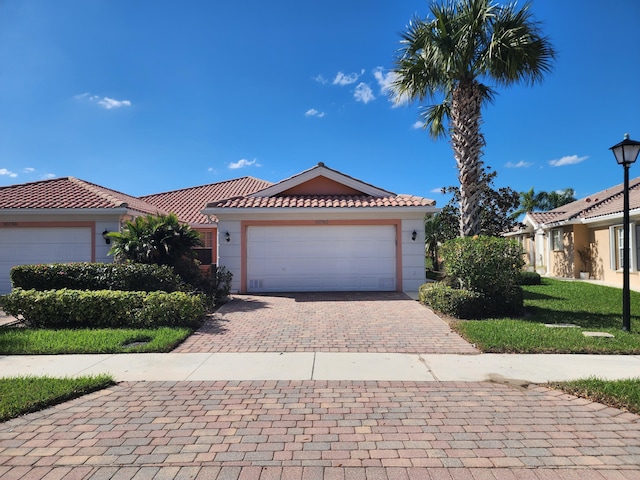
[{"x": 467, "y": 142}]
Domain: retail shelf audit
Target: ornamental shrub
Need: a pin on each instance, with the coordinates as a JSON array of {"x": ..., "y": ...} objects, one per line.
[
  {"x": 96, "y": 276},
  {"x": 66, "y": 308},
  {"x": 530, "y": 278},
  {"x": 490, "y": 266},
  {"x": 451, "y": 301}
]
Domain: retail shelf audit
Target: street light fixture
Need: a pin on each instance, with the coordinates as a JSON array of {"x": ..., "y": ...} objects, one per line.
[{"x": 626, "y": 153}]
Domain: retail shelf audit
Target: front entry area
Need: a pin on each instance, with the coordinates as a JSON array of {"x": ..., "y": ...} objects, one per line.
[{"x": 307, "y": 258}]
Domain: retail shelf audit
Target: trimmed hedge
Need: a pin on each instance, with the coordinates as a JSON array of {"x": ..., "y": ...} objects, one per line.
[
  {"x": 96, "y": 276},
  {"x": 530, "y": 278},
  {"x": 451, "y": 301},
  {"x": 66, "y": 308},
  {"x": 467, "y": 304}
]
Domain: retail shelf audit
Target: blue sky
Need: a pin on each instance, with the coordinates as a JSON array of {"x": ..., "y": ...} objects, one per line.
[{"x": 148, "y": 96}]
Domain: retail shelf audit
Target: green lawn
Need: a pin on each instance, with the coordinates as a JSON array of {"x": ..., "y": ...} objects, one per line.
[
  {"x": 26, "y": 341},
  {"x": 624, "y": 394},
  {"x": 22, "y": 395},
  {"x": 591, "y": 307}
]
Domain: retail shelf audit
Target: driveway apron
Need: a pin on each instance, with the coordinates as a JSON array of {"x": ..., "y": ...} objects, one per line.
[{"x": 325, "y": 322}]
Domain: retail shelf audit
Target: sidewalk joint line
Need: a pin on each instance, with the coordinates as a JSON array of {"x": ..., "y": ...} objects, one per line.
[
  {"x": 431, "y": 372},
  {"x": 313, "y": 365}
]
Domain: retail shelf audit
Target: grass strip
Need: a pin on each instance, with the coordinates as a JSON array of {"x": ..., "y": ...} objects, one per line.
[
  {"x": 26, "y": 341},
  {"x": 21, "y": 395},
  {"x": 623, "y": 394}
]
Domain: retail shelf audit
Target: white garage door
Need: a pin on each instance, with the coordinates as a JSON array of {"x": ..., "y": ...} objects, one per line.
[
  {"x": 19, "y": 246},
  {"x": 321, "y": 258}
]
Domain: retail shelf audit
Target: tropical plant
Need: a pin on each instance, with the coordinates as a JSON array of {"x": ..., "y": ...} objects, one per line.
[
  {"x": 159, "y": 239},
  {"x": 449, "y": 57},
  {"x": 542, "y": 201},
  {"x": 496, "y": 207}
]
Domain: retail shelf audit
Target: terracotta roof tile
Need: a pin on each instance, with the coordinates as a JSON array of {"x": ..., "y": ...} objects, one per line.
[
  {"x": 186, "y": 203},
  {"x": 605, "y": 202},
  {"x": 68, "y": 193},
  {"x": 323, "y": 201}
]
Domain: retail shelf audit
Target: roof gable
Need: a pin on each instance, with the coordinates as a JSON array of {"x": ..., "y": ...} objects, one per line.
[{"x": 322, "y": 180}]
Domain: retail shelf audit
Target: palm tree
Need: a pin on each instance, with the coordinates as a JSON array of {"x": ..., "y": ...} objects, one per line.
[
  {"x": 529, "y": 202},
  {"x": 463, "y": 44}
]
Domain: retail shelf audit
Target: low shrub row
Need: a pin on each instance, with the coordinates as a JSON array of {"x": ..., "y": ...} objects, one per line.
[
  {"x": 96, "y": 276},
  {"x": 66, "y": 308},
  {"x": 467, "y": 304}
]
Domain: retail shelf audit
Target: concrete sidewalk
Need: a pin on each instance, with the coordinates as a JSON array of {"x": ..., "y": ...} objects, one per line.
[{"x": 508, "y": 368}]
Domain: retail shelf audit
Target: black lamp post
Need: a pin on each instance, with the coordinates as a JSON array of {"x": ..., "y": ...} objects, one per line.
[{"x": 626, "y": 153}]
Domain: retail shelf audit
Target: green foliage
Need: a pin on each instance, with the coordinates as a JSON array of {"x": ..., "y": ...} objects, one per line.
[
  {"x": 530, "y": 278},
  {"x": 221, "y": 283},
  {"x": 624, "y": 394},
  {"x": 490, "y": 266},
  {"x": 96, "y": 276},
  {"x": 454, "y": 57},
  {"x": 496, "y": 209},
  {"x": 42, "y": 341},
  {"x": 66, "y": 308},
  {"x": 530, "y": 201},
  {"x": 159, "y": 239},
  {"x": 450, "y": 301},
  {"x": 483, "y": 264},
  {"x": 21, "y": 395}
]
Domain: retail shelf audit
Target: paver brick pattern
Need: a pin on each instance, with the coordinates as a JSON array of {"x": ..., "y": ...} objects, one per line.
[
  {"x": 321, "y": 429},
  {"x": 385, "y": 322}
]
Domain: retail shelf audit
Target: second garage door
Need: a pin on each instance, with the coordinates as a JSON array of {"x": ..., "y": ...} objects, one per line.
[
  {"x": 321, "y": 258},
  {"x": 20, "y": 246}
]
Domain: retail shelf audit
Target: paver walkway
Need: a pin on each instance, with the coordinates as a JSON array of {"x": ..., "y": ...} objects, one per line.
[
  {"x": 326, "y": 322},
  {"x": 314, "y": 430}
]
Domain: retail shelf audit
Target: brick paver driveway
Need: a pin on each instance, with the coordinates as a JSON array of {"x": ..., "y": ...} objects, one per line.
[
  {"x": 315, "y": 430},
  {"x": 326, "y": 322}
]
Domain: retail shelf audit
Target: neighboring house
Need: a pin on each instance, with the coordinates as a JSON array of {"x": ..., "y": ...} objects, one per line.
[
  {"x": 322, "y": 230},
  {"x": 319, "y": 230},
  {"x": 60, "y": 220},
  {"x": 584, "y": 236}
]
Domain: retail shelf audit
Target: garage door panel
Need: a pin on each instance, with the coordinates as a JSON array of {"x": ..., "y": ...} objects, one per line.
[
  {"x": 321, "y": 258},
  {"x": 23, "y": 246}
]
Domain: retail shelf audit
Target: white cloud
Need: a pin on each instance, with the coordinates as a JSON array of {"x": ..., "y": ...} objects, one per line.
[
  {"x": 417, "y": 125},
  {"x": 312, "y": 112},
  {"x": 363, "y": 93},
  {"x": 439, "y": 190},
  {"x": 342, "y": 79},
  {"x": 242, "y": 163},
  {"x": 385, "y": 80},
  {"x": 49, "y": 176},
  {"x": 320, "y": 79},
  {"x": 8, "y": 173},
  {"x": 568, "y": 160},
  {"x": 105, "y": 102},
  {"x": 520, "y": 164},
  {"x": 110, "y": 103},
  {"x": 28, "y": 170}
]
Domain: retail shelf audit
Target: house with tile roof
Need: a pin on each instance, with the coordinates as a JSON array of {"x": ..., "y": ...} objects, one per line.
[
  {"x": 60, "y": 220},
  {"x": 318, "y": 230},
  {"x": 322, "y": 230},
  {"x": 584, "y": 238}
]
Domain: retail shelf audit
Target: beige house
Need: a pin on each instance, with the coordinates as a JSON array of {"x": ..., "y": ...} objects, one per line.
[{"x": 583, "y": 239}]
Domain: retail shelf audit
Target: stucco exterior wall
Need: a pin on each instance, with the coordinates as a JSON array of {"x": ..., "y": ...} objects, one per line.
[{"x": 561, "y": 261}]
